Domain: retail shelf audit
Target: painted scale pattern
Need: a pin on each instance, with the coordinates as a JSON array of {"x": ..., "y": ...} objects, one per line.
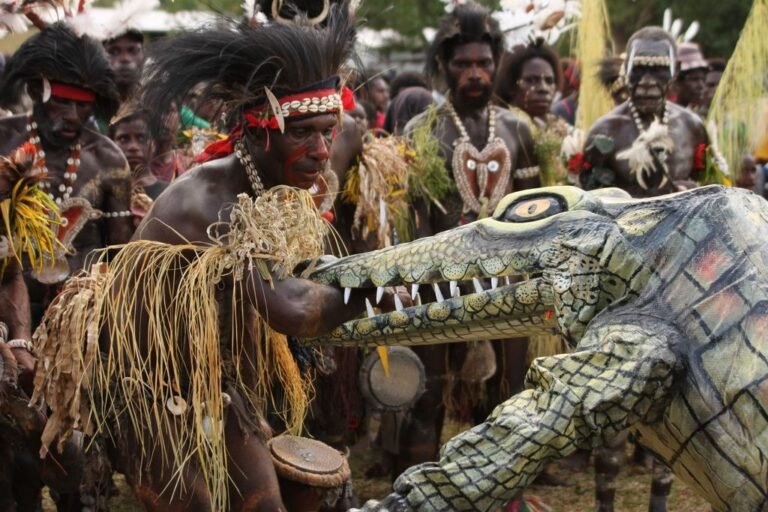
[{"x": 667, "y": 302}]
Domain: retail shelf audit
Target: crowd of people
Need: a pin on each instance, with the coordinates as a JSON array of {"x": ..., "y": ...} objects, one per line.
[{"x": 148, "y": 158}]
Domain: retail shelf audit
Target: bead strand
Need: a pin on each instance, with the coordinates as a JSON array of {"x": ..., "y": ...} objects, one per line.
[
  {"x": 244, "y": 156},
  {"x": 70, "y": 173},
  {"x": 639, "y": 122}
]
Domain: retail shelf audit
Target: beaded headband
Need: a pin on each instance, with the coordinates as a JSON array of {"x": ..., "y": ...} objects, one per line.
[
  {"x": 320, "y": 101},
  {"x": 650, "y": 60},
  {"x": 270, "y": 112}
]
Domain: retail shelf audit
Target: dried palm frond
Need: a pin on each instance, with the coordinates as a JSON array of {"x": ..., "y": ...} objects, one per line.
[
  {"x": 164, "y": 367},
  {"x": 593, "y": 43},
  {"x": 378, "y": 185},
  {"x": 64, "y": 362},
  {"x": 735, "y": 108}
]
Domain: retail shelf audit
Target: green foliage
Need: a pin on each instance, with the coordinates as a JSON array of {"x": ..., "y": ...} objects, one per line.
[
  {"x": 407, "y": 16},
  {"x": 721, "y": 21}
]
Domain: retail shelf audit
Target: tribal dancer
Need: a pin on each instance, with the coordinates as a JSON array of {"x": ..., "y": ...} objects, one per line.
[
  {"x": 69, "y": 80},
  {"x": 186, "y": 387},
  {"x": 27, "y": 239},
  {"x": 489, "y": 152},
  {"x": 647, "y": 146}
]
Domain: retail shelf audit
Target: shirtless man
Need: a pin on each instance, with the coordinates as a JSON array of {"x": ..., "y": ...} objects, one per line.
[
  {"x": 623, "y": 149},
  {"x": 465, "y": 54},
  {"x": 126, "y": 57},
  {"x": 69, "y": 80},
  {"x": 297, "y": 64}
]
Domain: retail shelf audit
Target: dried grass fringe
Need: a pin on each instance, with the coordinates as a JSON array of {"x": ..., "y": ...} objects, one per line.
[
  {"x": 378, "y": 186},
  {"x": 179, "y": 368}
]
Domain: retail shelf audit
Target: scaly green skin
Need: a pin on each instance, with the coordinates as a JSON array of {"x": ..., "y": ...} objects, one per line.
[{"x": 665, "y": 303}]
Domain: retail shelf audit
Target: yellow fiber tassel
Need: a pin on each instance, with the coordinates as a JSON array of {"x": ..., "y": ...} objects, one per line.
[{"x": 592, "y": 44}]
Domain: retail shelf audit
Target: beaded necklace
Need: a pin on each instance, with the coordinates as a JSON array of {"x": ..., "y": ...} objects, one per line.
[
  {"x": 646, "y": 157},
  {"x": 244, "y": 156},
  {"x": 639, "y": 122},
  {"x": 70, "y": 174},
  {"x": 475, "y": 172}
]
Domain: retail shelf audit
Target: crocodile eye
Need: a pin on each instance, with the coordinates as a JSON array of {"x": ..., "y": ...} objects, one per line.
[{"x": 527, "y": 209}]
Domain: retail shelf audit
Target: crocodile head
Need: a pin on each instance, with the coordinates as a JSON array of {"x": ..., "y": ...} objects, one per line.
[{"x": 547, "y": 258}]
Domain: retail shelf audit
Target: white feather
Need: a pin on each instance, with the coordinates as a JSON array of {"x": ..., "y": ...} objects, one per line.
[
  {"x": 249, "y": 8},
  {"x": 667, "y": 23},
  {"x": 691, "y": 32},
  {"x": 677, "y": 27}
]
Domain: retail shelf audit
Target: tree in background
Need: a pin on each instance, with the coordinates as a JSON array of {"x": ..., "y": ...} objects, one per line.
[{"x": 721, "y": 20}]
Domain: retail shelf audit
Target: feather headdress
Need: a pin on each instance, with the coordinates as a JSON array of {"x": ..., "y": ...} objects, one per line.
[{"x": 239, "y": 63}]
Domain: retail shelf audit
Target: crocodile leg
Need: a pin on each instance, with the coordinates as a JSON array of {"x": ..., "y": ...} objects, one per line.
[{"x": 621, "y": 373}]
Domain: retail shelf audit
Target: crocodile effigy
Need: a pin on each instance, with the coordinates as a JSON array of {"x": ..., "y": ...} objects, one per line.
[{"x": 663, "y": 301}]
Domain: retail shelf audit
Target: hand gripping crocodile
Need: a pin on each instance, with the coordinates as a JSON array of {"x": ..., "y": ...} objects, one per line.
[{"x": 664, "y": 302}]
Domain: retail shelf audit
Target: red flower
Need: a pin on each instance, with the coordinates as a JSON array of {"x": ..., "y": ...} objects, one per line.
[
  {"x": 698, "y": 157},
  {"x": 577, "y": 163}
]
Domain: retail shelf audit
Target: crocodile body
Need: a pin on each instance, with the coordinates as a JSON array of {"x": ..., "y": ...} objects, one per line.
[{"x": 664, "y": 302}]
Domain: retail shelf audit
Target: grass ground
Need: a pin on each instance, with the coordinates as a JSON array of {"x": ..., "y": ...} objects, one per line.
[{"x": 633, "y": 488}]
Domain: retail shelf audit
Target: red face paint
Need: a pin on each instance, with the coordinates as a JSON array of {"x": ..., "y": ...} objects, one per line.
[{"x": 293, "y": 176}]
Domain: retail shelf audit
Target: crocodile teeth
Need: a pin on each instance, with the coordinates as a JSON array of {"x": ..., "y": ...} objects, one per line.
[
  {"x": 347, "y": 293},
  {"x": 438, "y": 293},
  {"x": 508, "y": 279},
  {"x": 379, "y": 293},
  {"x": 398, "y": 303},
  {"x": 456, "y": 292},
  {"x": 369, "y": 308},
  {"x": 494, "y": 283},
  {"x": 477, "y": 285},
  {"x": 453, "y": 286},
  {"x": 418, "y": 299},
  {"x": 414, "y": 290}
]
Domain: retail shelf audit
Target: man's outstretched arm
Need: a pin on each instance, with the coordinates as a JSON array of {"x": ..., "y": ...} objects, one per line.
[{"x": 620, "y": 375}]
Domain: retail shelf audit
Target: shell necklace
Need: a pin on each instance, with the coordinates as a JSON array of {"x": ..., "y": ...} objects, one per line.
[
  {"x": 244, "y": 156},
  {"x": 70, "y": 173},
  {"x": 481, "y": 177}
]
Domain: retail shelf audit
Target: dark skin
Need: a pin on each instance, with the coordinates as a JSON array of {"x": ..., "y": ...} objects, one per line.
[
  {"x": 691, "y": 87},
  {"x": 535, "y": 89},
  {"x": 712, "y": 81},
  {"x": 103, "y": 177},
  {"x": 292, "y": 306},
  {"x": 469, "y": 72},
  {"x": 648, "y": 87},
  {"x": 126, "y": 57},
  {"x": 379, "y": 93},
  {"x": 14, "y": 305},
  {"x": 132, "y": 137}
]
